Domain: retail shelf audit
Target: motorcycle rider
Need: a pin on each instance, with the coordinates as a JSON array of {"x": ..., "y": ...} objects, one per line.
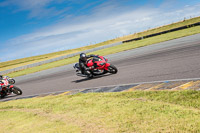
[
  {"x": 2, "y": 85},
  {"x": 1, "y": 78},
  {"x": 83, "y": 64},
  {"x": 1, "y": 82}
]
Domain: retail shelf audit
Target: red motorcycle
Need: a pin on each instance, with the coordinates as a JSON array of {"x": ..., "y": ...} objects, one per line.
[
  {"x": 98, "y": 65},
  {"x": 6, "y": 88}
]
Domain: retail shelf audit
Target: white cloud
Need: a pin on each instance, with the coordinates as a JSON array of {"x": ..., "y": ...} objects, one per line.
[
  {"x": 37, "y": 8},
  {"x": 94, "y": 28}
]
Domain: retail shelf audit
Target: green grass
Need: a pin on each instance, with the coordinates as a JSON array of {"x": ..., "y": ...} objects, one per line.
[
  {"x": 30, "y": 60},
  {"x": 111, "y": 50},
  {"x": 139, "y": 111}
]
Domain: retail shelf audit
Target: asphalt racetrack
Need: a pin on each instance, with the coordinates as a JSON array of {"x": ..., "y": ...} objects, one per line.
[{"x": 175, "y": 59}]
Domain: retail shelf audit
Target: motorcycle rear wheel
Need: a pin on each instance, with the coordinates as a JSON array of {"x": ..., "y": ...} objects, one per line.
[
  {"x": 112, "y": 69},
  {"x": 16, "y": 90}
]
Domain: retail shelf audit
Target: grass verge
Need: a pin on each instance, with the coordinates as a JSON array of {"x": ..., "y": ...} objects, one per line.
[
  {"x": 111, "y": 50},
  {"x": 138, "y": 111},
  {"x": 30, "y": 60}
]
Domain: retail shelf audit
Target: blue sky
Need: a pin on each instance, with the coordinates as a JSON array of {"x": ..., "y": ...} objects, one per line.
[{"x": 34, "y": 27}]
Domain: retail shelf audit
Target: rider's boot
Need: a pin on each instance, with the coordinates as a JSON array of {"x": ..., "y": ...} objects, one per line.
[{"x": 89, "y": 74}]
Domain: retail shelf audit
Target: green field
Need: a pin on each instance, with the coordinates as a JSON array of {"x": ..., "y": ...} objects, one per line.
[
  {"x": 115, "y": 49},
  {"x": 138, "y": 111},
  {"x": 24, "y": 61}
]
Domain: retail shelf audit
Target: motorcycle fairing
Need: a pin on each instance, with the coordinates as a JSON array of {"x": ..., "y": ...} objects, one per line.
[
  {"x": 11, "y": 86},
  {"x": 90, "y": 63},
  {"x": 99, "y": 62},
  {"x": 106, "y": 66}
]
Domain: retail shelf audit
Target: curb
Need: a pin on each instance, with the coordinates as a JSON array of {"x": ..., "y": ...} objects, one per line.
[{"x": 171, "y": 85}]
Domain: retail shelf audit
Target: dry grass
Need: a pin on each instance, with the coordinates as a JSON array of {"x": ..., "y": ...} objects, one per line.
[{"x": 138, "y": 111}]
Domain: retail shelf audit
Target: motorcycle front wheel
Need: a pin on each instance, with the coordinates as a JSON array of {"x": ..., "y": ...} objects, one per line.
[
  {"x": 3, "y": 94},
  {"x": 112, "y": 69},
  {"x": 16, "y": 90},
  {"x": 11, "y": 81}
]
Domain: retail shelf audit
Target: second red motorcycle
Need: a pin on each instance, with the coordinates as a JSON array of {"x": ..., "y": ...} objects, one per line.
[{"x": 6, "y": 87}]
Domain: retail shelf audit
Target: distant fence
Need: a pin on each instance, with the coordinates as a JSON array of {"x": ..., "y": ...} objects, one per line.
[
  {"x": 58, "y": 58},
  {"x": 95, "y": 49},
  {"x": 163, "y": 32}
]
